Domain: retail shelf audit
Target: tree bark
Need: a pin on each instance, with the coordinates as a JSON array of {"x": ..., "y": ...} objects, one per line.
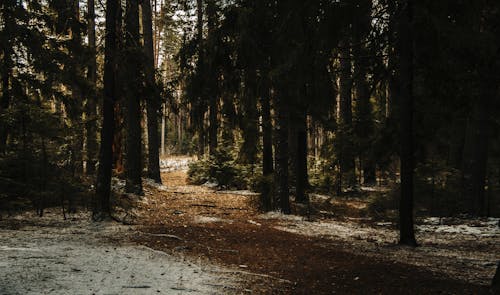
[
  {"x": 103, "y": 185},
  {"x": 133, "y": 154},
  {"x": 90, "y": 107},
  {"x": 301, "y": 175},
  {"x": 281, "y": 173},
  {"x": 405, "y": 87},
  {"x": 6, "y": 71},
  {"x": 152, "y": 100},
  {"x": 495, "y": 284},
  {"x": 363, "y": 126},
  {"x": 267, "y": 135},
  {"x": 346, "y": 161},
  {"x": 212, "y": 78}
]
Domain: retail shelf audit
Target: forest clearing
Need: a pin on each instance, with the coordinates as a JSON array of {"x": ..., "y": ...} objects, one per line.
[{"x": 185, "y": 238}]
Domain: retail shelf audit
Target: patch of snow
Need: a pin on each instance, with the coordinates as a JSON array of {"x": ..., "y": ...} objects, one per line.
[
  {"x": 211, "y": 184},
  {"x": 175, "y": 163},
  {"x": 152, "y": 183},
  {"x": 472, "y": 227},
  {"x": 254, "y": 222},
  {"x": 280, "y": 216},
  {"x": 209, "y": 219},
  {"x": 74, "y": 258}
]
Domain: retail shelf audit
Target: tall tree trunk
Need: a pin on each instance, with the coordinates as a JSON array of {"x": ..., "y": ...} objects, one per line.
[
  {"x": 212, "y": 80},
  {"x": 267, "y": 130},
  {"x": 405, "y": 87},
  {"x": 476, "y": 153},
  {"x": 495, "y": 284},
  {"x": 363, "y": 125},
  {"x": 281, "y": 155},
  {"x": 153, "y": 99},
  {"x": 199, "y": 114},
  {"x": 75, "y": 109},
  {"x": 6, "y": 70},
  {"x": 301, "y": 176},
  {"x": 133, "y": 154},
  {"x": 90, "y": 107},
  {"x": 249, "y": 121},
  {"x": 347, "y": 165},
  {"x": 103, "y": 184}
]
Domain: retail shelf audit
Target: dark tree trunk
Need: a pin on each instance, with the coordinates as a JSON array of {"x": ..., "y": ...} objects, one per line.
[
  {"x": 90, "y": 107},
  {"x": 76, "y": 109},
  {"x": 249, "y": 119},
  {"x": 212, "y": 84},
  {"x": 495, "y": 284},
  {"x": 301, "y": 176},
  {"x": 199, "y": 113},
  {"x": 6, "y": 69},
  {"x": 363, "y": 125},
  {"x": 152, "y": 99},
  {"x": 133, "y": 154},
  {"x": 6, "y": 73},
  {"x": 476, "y": 155},
  {"x": 103, "y": 185},
  {"x": 346, "y": 162},
  {"x": 267, "y": 129},
  {"x": 405, "y": 87},
  {"x": 282, "y": 156}
]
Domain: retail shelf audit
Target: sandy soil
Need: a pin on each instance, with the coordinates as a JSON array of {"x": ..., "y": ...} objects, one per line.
[{"x": 52, "y": 256}]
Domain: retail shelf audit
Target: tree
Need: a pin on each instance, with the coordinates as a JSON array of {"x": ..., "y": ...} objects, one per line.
[
  {"x": 152, "y": 100},
  {"x": 495, "y": 285},
  {"x": 103, "y": 183},
  {"x": 133, "y": 154},
  {"x": 90, "y": 106},
  {"x": 363, "y": 123},
  {"x": 346, "y": 156},
  {"x": 405, "y": 91}
]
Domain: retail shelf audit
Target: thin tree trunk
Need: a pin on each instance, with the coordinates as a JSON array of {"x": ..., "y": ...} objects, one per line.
[
  {"x": 301, "y": 161},
  {"x": 249, "y": 123},
  {"x": 267, "y": 131},
  {"x": 282, "y": 156},
  {"x": 212, "y": 84},
  {"x": 347, "y": 165},
  {"x": 153, "y": 100},
  {"x": 363, "y": 126},
  {"x": 495, "y": 284},
  {"x": 133, "y": 154},
  {"x": 405, "y": 86},
  {"x": 103, "y": 185},
  {"x": 90, "y": 107}
]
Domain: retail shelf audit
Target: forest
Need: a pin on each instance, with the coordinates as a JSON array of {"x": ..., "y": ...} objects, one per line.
[{"x": 249, "y": 147}]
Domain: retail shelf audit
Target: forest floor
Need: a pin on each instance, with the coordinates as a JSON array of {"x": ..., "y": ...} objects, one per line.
[
  {"x": 50, "y": 255},
  {"x": 182, "y": 238},
  {"x": 322, "y": 253}
]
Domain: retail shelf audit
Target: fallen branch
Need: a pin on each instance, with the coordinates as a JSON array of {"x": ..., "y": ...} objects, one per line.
[{"x": 163, "y": 236}]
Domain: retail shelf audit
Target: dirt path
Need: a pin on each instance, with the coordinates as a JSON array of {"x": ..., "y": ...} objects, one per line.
[
  {"x": 295, "y": 255},
  {"x": 51, "y": 256}
]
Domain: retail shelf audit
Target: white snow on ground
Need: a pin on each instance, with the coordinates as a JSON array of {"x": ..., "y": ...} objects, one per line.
[
  {"x": 175, "y": 163},
  {"x": 464, "y": 249},
  {"x": 77, "y": 257},
  {"x": 481, "y": 228},
  {"x": 210, "y": 219},
  {"x": 280, "y": 216}
]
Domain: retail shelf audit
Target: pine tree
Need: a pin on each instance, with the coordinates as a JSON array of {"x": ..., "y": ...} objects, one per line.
[
  {"x": 133, "y": 134},
  {"x": 152, "y": 100},
  {"x": 103, "y": 183}
]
